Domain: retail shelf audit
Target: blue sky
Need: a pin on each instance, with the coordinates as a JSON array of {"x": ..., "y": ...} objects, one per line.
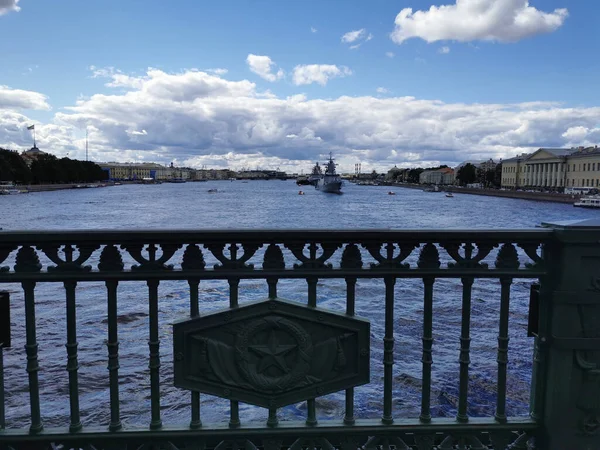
[{"x": 442, "y": 85}]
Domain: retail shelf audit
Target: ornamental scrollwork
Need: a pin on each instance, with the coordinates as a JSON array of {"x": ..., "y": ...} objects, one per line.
[
  {"x": 313, "y": 260},
  {"x": 27, "y": 260},
  {"x": 193, "y": 259},
  {"x": 234, "y": 261},
  {"x": 68, "y": 264},
  {"x": 387, "y": 260},
  {"x": 151, "y": 262},
  {"x": 351, "y": 257},
  {"x": 273, "y": 259},
  {"x": 468, "y": 260},
  {"x": 531, "y": 250},
  {"x": 111, "y": 259}
]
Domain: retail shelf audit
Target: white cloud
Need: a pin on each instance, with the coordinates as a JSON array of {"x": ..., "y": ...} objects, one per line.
[
  {"x": 389, "y": 54},
  {"x": 357, "y": 38},
  {"x": 382, "y": 90},
  {"x": 352, "y": 36},
  {"x": 262, "y": 66},
  {"x": 313, "y": 30},
  {"x": 471, "y": 20},
  {"x": 444, "y": 50},
  {"x": 198, "y": 118},
  {"x": 318, "y": 73},
  {"x": 19, "y": 99},
  {"x": 7, "y": 6},
  {"x": 118, "y": 78},
  {"x": 218, "y": 71}
]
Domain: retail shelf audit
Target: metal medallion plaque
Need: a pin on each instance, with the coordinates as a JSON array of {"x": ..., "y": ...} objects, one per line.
[{"x": 271, "y": 353}]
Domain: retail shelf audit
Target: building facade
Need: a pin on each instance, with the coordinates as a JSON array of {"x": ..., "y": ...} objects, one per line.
[
  {"x": 438, "y": 176},
  {"x": 553, "y": 169},
  {"x": 513, "y": 171},
  {"x": 131, "y": 171}
]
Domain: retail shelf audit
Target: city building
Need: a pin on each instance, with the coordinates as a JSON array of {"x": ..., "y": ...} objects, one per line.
[
  {"x": 437, "y": 176},
  {"x": 583, "y": 168},
  {"x": 553, "y": 169},
  {"x": 31, "y": 155},
  {"x": 132, "y": 171},
  {"x": 513, "y": 171}
]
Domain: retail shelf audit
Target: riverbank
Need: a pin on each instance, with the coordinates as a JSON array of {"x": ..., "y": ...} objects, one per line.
[
  {"x": 59, "y": 187},
  {"x": 522, "y": 195}
]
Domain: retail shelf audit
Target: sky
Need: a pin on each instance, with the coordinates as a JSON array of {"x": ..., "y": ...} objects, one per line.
[{"x": 279, "y": 84}]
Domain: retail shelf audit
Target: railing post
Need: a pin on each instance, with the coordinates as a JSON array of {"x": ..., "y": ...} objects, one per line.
[{"x": 567, "y": 391}]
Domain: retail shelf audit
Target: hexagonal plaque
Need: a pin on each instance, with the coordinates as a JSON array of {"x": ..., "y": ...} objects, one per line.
[{"x": 271, "y": 353}]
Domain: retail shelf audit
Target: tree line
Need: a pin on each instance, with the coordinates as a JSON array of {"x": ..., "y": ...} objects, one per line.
[
  {"x": 469, "y": 174},
  {"x": 413, "y": 174},
  {"x": 48, "y": 169}
]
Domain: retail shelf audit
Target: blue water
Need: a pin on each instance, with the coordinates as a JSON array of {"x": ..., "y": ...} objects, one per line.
[{"x": 267, "y": 204}]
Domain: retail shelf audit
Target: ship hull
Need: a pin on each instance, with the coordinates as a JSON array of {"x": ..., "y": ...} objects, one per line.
[{"x": 333, "y": 187}]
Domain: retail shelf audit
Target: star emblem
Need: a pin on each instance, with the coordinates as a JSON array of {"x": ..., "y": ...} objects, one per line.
[{"x": 272, "y": 354}]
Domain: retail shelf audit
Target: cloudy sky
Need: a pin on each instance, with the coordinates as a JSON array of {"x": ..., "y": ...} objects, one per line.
[{"x": 271, "y": 83}]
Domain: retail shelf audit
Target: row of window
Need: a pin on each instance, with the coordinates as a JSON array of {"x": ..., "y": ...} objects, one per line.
[
  {"x": 588, "y": 182},
  {"x": 581, "y": 167}
]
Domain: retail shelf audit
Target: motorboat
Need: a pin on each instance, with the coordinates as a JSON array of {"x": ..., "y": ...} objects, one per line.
[{"x": 590, "y": 201}]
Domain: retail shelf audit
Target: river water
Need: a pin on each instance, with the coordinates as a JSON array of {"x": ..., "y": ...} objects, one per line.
[{"x": 267, "y": 204}]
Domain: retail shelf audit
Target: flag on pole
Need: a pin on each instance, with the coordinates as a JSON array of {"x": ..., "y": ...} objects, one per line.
[{"x": 31, "y": 127}]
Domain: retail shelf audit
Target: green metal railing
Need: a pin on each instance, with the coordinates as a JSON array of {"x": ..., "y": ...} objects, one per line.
[{"x": 562, "y": 257}]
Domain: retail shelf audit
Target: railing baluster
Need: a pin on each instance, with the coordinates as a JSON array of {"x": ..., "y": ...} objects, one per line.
[
  {"x": 234, "y": 284},
  {"x": 154, "y": 346},
  {"x": 350, "y": 306},
  {"x": 272, "y": 421},
  {"x": 503, "y": 349},
  {"x": 113, "y": 356},
  {"x": 2, "y": 406},
  {"x": 388, "y": 350},
  {"x": 196, "y": 422},
  {"x": 311, "y": 407},
  {"x": 272, "y": 283},
  {"x": 31, "y": 348},
  {"x": 72, "y": 363},
  {"x": 427, "y": 359},
  {"x": 465, "y": 342},
  {"x": 540, "y": 361}
]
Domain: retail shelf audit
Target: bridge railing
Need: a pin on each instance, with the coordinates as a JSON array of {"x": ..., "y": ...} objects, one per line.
[{"x": 274, "y": 352}]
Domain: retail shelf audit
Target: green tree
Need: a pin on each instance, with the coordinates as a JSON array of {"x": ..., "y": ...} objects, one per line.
[
  {"x": 467, "y": 174},
  {"x": 13, "y": 168},
  {"x": 490, "y": 178},
  {"x": 413, "y": 175}
]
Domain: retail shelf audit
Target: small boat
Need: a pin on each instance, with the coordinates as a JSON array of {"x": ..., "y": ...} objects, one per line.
[
  {"x": 449, "y": 195},
  {"x": 300, "y": 192},
  {"x": 591, "y": 201},
  {"x": 12, "y": 192},
  {"x": 391, "y": 193},
  {"x": 212, "y": 191}
]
